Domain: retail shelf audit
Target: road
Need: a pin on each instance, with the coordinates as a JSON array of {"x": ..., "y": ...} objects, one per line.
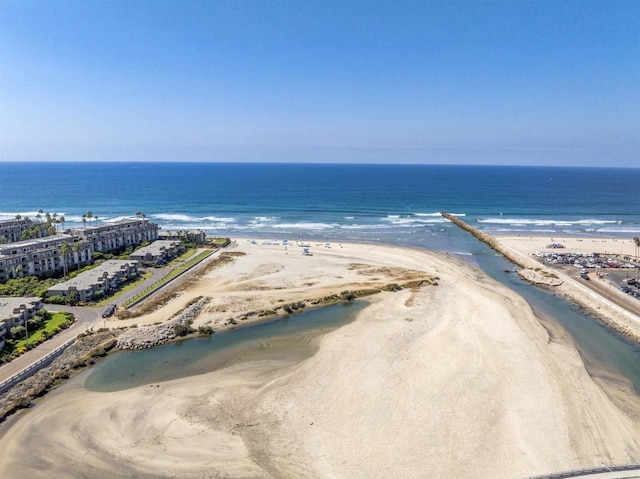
[
  {"x": 634, "y": 474},
  {"x": 606, "y": 289}
]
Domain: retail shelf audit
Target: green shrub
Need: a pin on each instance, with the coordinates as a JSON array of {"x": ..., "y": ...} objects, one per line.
[
  {"x": 205, "y": 330},
  {"x": 18, "y": 331},
  {"x": 182, "y": 329}
]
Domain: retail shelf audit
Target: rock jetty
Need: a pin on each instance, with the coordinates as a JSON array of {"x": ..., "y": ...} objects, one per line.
[
  {"x": 531, "y": 272},
  {"x": 150, "y": 336}
]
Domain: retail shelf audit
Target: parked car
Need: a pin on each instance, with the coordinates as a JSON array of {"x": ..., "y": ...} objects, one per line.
[{"x": 111, "y": 308}]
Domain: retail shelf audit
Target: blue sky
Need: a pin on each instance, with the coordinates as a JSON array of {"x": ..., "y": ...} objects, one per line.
[{"x": 510, "y": 82}]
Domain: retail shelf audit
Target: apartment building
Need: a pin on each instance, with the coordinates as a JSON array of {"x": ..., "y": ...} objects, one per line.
[
  {"x": 157, "y": 252},
  {"x": 41, "y": 256},
  {"x": 16, "y": 312},
  {"x": 106, "y": 278},
  {"x": 196, "y": 236},
  {"x": 118, "y": 235},
  {"x": 11, "y": 230}
]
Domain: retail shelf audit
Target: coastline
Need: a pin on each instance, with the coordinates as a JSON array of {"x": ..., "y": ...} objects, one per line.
[
  {"x": 618, "y": 312},
  {"x": 422, "y": 381},
  {"x": 624, "y": 320}
]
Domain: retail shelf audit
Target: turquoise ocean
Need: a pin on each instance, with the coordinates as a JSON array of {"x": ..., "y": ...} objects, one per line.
[{"x": 395, "y": 204}]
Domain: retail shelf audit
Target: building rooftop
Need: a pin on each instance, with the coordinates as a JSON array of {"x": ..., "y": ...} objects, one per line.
[
  {"x": 156, "y": 248},
  {"x": 107, "y": 226},
  {"x": 9, "y": 303},
  {"x": 6, "y": 249},
  {"x": 86, "y": 279}
]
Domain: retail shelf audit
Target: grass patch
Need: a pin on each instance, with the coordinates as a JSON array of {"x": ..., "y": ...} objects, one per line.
[
  {"x": 184, "y": 256},
  {"x": 51, "y": 327}
]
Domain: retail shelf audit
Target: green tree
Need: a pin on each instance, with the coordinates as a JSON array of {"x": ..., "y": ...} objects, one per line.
[
  {"x": 636, "y": 240},
  {"x": 89, "y": 216},
  {"x": 73, "y": 297},
  {"x": 18, "y": 331},
  {"x": 84, "y": 220}
]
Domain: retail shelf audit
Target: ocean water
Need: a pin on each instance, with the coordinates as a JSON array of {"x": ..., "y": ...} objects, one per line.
[{"x": 391, "y": 203}]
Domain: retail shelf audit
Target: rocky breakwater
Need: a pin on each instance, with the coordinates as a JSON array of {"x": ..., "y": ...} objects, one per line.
[
  {"x": 150, "y": 336},
  {"x": 532, "y": 270}
]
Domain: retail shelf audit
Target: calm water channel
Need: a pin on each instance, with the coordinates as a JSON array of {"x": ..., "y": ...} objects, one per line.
[
  {"x": 283, "y": 339},
  {"x": 596, "y": 342}
]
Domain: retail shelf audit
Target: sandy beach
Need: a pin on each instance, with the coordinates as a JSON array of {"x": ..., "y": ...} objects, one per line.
[{"x": 454, "y": 379}]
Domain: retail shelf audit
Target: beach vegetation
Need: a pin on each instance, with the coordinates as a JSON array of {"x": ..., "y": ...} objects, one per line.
[
  {"x": 393, "y": 287},
  {"x": 182, "y": 329},
  {"x": 205, "y": 330},
  {"x": 348, "y": 296}
]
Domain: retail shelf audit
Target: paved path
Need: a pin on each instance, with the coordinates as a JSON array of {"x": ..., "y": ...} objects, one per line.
[{"x": 629, "y": 471}]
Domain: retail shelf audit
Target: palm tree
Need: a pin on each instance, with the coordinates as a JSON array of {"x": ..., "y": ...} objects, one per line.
[
  {"x": 76, "y": 249},
  {"x": 39, "y": 215},
  {"x": 17, "y": 270},
  {"x": 64, "y": 251},
  {"x": 89, "y": 216},
  {"x": 636, "y": 240},
  {"x": 62, "y": 220},
  {"x": 18, "y": 217},
  {"x": 84, "y": 221}
]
